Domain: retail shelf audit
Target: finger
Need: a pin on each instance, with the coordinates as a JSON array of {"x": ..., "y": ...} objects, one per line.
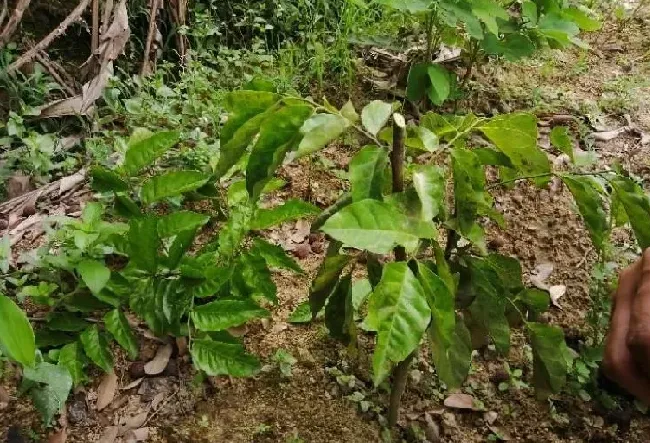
[
  {"x": 634, "y": 382},
  {"x": 616, "y": 350},
  {"x": 639, "y": 330}
]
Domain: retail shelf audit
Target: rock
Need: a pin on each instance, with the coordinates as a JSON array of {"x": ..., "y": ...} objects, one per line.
[
  {"x": 77, "y": 410},
  {"x": 449, "y": 423},
  {"x": 416, "y": 376},
  {"x": 136, "y": 370},
  {"x": 459, "y": 401}
]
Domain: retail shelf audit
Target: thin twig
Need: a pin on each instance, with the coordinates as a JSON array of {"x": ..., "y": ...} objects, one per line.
[
  {"x": 152, "y": 30},
  {"x": 54, "y": 73},
  {"x": 13, "y": 22},
  {"x": 94, "y": 42},
  {"x": 544, "y": 175},
  {"x": 29, "y": 55}
]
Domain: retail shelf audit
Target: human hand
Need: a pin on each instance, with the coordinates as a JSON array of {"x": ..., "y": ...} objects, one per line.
[{"x": 627, "y": 348}]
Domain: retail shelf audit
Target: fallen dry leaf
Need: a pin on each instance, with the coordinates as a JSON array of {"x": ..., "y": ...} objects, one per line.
[
  {"x": 160, "y": 361},
  {"x": 58, "y": 437},
  {"x": 17, "y": 185},
  {"x": 106, "y": 391},
  {"x": 136, "y": 435},
  {"x": 157, "y": 400},
  {"x": 133, "y": 384},
  {"x": 134, "y": 422},
  {"x": 540, "y": 274},
  {"x": 606, "y": 136},
  {"x": 109, "y": 435},
  {"x": 557, "y": 292},
  {"x": 459, "y": 401},
  {"x": 490, "y": 417},
  {"x": 238, "y": 331}
]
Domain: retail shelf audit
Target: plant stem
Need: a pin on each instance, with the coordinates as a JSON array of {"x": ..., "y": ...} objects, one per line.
[
  {"x": 452, "y": 241},
  {"x": 473, "y": 56},
  {"x": 400, "y": 374}
]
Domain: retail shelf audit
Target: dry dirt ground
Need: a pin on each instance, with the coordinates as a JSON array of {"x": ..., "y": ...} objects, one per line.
[{"x": 329, "y": 396}]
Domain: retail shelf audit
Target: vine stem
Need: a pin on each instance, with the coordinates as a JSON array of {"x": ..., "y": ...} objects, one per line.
[{"x": 400, "y": 374}]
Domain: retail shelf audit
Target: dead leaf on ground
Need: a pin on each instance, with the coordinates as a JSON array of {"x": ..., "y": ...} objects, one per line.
[
  {"x": 238, "y": 331},
  {"x": 160, "y": 361},
  {"x": 157, "y": 400},
  {"x": 109, "y": 435},
  {"x": 136, "y": 435},
  {"x": 459, "y": 401},
  {"x": 133, "y": 384},
  {"x": 540, "y": 274},
  {"x": 58, "y": 437},
  {"x": 557, "y": 292},
  {"x": 106, "y": 391},
  {"x": 134, "y": 422},
  {"x": 301, "y": 232},
  {"x": 490, "y": 417}
]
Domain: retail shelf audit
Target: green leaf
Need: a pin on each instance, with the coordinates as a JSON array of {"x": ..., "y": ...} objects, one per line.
[
  {"x": 580, "y": 18},
  {"x": 224, "y": 314},
  {"x": 488, "y": 307},
  {"x": 361, "y": 289},
  {"x": 215, "y": 358},
  {"x": 440, "y": 88},
  {"x": 172, "y": 184},
  {"x": 550, "y": 353},
  {"x": 96, "y": 348},
  {"x": 171, "y": 224},
  {"x": 302, "y": 314},
  {"x": 429, "y": 182},
  {"x": 412, "y": 6},
  {"x": 590, "y": 204},
  {"x": 275, "y": 256},
  {"x": 16, "y": 334},
  {"x": 253, "y": 279},
  {"x": 66, "y": 322},
  {"x": 488, "y": 11},
  {"x": 339, "y": 312},
  {"x": 349, "y": 113},
  {"x": 117, "y": 324},
  {"x": 327, "y": 278},
  {"x": 293, "y": 209},
  {"x": 417, "y": 82},
  {"x": 126, "y": 207},
  {"x": 368, "y": 173},
  {"x": 144, "y": 243},
  {"x": 144, "y": 152},
  {"x": 536, "y": 300},
  {"x": 561, "y": 141},
  {"x": 318, "y": 131},
  {"x": 248, "y": 111},
  {"x": 469, "y": 189},
  {"x": 529, "y": 11},
  {"x": 279, "y": 133},
  {"x": 105, "y": 180},
  {"x": 94, "y": 274},
  {"x": 71, "y": 358},
  {"x": 450, "y": 341},
  {"x": 562, "y": 32},
  {"x": 512, "y": 47},
  {"x": 375, "y": 115},
  {"x": 48, "y": 386},
  {"x": 232, "y": 234},
  {"x": 636, "y": 204},
  {"x": 399, "y": 312},
  {"x": 507, "y": 269},
  {"x": 158, "y": 303},
  {"x": 376, "y": 227},
  {"x": 516, "y": 136}
]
